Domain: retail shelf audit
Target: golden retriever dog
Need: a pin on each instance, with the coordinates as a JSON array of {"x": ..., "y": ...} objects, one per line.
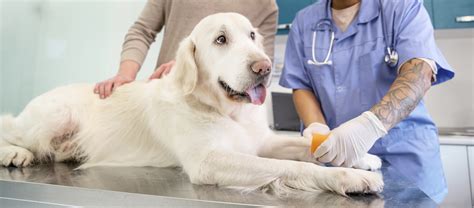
[{"x": 205, "y": 117}]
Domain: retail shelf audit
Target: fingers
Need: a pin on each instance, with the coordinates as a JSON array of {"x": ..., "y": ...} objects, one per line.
[
  {"x": 349, "y": 163},
  {"x": 164, "y": 69},
  {"x": 168, "y": 67},
  {"x": 323, "y": 148},
  {"x": 108, "y": 88},
  {"x": 167, "y": 70},
  {"x": 324, "y": 154},
  {"x": 158, "y": 72},
  {"x": 96, "y": 88},
  {"x": 328, "y": 157},
  {"x": 102, "y": 90},
  {"x": 99, "y": 89},
  {"x": 338, "y": 161},
  {"x": 307, "y": 133}
]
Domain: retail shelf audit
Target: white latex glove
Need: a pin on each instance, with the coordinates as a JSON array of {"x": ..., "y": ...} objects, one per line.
[
  {"x": 315, "y": 128},
  {"x": 351, "y": 141}
]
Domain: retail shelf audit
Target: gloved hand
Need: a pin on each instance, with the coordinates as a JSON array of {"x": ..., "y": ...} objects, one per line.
[
  {"x": 315, "y": 127},
  {"x": 351, "y": 141}
]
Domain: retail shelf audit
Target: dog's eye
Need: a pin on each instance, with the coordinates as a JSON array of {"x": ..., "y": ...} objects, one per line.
[
  {"x": 221, "y": 40},
  {"x": 252, "y": 35}
]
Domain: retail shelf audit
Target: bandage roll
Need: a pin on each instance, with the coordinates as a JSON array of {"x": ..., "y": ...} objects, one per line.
[{"x": 318, "y": 139}]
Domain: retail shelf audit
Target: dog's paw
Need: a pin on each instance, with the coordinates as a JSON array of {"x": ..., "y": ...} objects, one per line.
[
  {"x": 369, "y": 162},
  {"x": 14, "y": 155},
  {"x": 349, "y": 180}
]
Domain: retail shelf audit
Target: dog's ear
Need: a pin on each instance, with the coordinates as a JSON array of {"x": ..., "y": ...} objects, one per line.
[{"x": 186, "y": 72}]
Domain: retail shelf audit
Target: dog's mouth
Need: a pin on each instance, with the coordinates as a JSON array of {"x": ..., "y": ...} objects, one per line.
[{"x": 254, "y": 94}]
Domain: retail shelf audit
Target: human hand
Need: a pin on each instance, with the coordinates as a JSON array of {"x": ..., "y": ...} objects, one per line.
[
  {"x": 162, "y": 70},
  {"x": 350, "y": 142},
  {"x": 127, "y": 73},
  {"x": 315, "y": 128}
]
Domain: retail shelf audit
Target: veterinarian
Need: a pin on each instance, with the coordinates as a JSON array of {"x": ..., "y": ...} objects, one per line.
[
  {"x": 180, "y": 17},
  {"x": 361, "y": 69}
]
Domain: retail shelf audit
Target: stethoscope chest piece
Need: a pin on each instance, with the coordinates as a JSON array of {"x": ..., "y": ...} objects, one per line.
[{"x": 391, "y": 58}]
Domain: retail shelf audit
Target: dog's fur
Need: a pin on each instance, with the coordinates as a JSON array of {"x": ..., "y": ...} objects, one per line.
[{"x": 186, "y": 119}]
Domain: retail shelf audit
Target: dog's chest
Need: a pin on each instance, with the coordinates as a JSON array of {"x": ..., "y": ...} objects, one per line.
[
  {"x": 245, "y": 136},
  {"x": 242, "y": 141}
]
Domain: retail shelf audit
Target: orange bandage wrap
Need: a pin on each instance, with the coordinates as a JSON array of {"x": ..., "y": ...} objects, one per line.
[{"x": 318, "y": 139}]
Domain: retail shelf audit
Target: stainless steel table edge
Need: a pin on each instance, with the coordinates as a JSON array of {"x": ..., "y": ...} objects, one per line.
[{"x": 61, "y": 189}]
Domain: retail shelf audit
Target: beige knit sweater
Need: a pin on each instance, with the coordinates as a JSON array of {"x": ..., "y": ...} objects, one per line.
[{"x": 179, "y": 18}]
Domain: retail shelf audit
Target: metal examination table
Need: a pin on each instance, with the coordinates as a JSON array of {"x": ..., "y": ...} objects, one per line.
[{"x": 59, "y": 185}]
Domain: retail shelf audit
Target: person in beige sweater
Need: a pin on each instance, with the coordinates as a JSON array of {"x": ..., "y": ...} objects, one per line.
[{"x": 178, "y": 18}]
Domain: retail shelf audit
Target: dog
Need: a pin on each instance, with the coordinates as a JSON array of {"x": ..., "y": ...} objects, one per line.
[{"x": 205, "y": 117}]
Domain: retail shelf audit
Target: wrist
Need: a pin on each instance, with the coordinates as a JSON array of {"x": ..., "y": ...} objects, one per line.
[
  {"x": 128, "y": 69},
  {"x": 376, "y": 126}
]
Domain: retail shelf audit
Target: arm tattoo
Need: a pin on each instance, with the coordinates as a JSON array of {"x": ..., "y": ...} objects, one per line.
[{"x": 405, "y": 93}]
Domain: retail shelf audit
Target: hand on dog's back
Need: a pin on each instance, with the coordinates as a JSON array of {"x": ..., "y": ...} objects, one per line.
[
  {"x": 164, "y": 69},
  {"x": 127, "y": 73}
]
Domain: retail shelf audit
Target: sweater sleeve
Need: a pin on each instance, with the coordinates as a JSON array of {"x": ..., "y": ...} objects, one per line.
[
  {"x": 268, "y": 29},
  {"x": 143, "y": 32}
]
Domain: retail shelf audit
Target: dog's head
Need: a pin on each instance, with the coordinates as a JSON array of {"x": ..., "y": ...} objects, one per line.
[{"x": 225, "y": 53}]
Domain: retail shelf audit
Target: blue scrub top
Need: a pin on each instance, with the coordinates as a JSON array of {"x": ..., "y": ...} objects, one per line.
[{"x": 359, "y": 77}]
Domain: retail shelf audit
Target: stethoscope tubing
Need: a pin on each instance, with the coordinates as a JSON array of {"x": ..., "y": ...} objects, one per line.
[
  {"x": 326, "y": 60},
  {"x": 391, "y": 56}
]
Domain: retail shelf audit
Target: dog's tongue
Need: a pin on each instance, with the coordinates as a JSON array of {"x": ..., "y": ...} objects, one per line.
[{"x": 257, "y": 94}]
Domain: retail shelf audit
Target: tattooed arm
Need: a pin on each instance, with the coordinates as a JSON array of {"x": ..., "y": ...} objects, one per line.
[
  {"x": 351, "y": 141},
  {"x": 405, "y": 93}
]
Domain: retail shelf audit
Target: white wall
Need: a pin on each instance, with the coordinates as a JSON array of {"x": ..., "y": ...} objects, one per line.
[
  {"x": 1, "y": 58},
  {"x": 451, "y": 104},
  {"x": 19, "y": 26},
  {"x": 48, "y": 43}
]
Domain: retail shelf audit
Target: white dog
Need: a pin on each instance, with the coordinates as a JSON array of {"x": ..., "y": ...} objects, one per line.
[{"x": 202, "y": 117}]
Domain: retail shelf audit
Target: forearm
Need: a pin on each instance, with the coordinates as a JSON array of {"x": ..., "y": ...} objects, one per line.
[
  {"x": 405, "y": 93},
  {"x": 129, "y": 68},
  {"x": 143, "y": 31},
  {"x": 308, "y": 107}
]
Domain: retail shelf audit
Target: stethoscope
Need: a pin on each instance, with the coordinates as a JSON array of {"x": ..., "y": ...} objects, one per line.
[{"x": 391, "y": 56}]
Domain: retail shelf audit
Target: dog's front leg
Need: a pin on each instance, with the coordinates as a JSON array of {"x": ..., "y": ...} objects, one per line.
[
  {"x": 287, "y": 147},
  {"x": 298, "y": 148},
  {"x": 233, "y": 169}
]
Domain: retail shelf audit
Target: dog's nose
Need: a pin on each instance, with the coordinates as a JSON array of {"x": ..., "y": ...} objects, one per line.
[{"x": 261, "y": 67}]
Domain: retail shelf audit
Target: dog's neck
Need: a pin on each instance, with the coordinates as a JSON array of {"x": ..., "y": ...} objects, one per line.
[{"x": 203, "y": 101}]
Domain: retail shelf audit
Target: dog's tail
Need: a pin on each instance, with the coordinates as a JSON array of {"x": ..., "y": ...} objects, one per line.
[{"x": 7, "y": 128}]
